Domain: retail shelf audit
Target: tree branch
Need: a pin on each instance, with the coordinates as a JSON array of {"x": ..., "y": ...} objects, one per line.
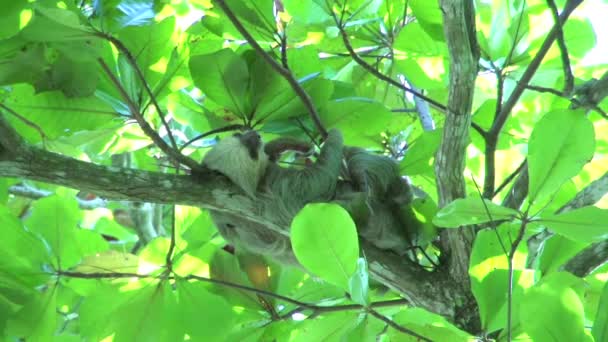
[
  {"x": 174, "y": 154},
  {"x": 208, "y": 191},
  {"x": 518, "y": 194},
  {"x": 460, "y": 33}
]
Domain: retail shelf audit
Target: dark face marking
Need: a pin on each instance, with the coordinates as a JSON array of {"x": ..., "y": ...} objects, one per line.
[{"x": 252, "y": 141}]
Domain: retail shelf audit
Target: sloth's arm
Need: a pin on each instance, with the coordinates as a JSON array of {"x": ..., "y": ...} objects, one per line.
[
  {"x": 274, "y": 148},
  {"x": 314, "y": 183}
]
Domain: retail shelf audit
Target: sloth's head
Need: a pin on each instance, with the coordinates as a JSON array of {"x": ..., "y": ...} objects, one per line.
[{"x": 241, "y": 158}]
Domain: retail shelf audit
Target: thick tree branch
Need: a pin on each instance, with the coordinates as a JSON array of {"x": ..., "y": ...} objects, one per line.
[
  {"x": 459, "y": 29},
  {"x": 588, "y": 260},
  {"x": 208, "y": 191}
]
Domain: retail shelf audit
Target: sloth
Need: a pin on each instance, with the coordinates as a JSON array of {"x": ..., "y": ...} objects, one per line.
[{"x": 368, "y": 186}]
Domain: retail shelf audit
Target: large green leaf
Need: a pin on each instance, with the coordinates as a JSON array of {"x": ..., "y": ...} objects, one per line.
[
  {"x": 55, "y": 218},
  {"x": 419, "y": 155},
  {"x": 205, "y": 316},
  {"x": 223, "y": 76},
  {"x": 556, "y": 251},
  {"x": 11, "y": 17},
  {"x": 145, "y": 314},
  {"x": 489, "y": 272},
  {"x": 427, "y": 324},
  {"x": 561, "y": 143},
  {"x": 359, "y": 283},
  {"x": 471, "y": 210},
  {"x": 37, "y": 319},
  {"x": 324, "y": 239},
  {"x": 600, "y": 326},
  {"x": 55, "y": 114},
  {"x": 56, "y": 25},
  {"x": 587, "y": 224},
  {"x": 330, "y": 327},
  {"x": 555, "y": 295},
  {"x": 360, "y": 120}
]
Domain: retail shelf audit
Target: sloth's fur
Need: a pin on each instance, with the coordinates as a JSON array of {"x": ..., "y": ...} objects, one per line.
[{"x": 371, "y": 190}]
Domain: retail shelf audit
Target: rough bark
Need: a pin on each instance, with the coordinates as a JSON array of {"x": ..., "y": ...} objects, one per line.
[{"x": 459, "y": 29}]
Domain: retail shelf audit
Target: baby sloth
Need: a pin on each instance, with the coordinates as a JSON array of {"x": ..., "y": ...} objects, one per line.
[{"x": 371, "y": 191}]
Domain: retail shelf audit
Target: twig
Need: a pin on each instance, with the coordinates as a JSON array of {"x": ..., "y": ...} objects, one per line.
[
  {"x": 561, "y": 43},
  {"x": 213, "y": 131},
  {"x": 133, "y": 62},
  {"x": 531, "y": 69},
  {"x": 396, "y": 326},
  {"x": 507, "y": 107},
  {"x": 145, "y": 126},
  {"x": 509, "y": 179},
  {"x": 375, "y": 72},
  {"x": 518, "y": 239},
  {"x": 285, "y": 73},
  {"x": 24, "y": 120}
]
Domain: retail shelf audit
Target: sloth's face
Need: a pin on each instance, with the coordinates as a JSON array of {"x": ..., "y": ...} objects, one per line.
[
  {"x": 241, "y": 158},
  {"x": 252, "y": 142}
]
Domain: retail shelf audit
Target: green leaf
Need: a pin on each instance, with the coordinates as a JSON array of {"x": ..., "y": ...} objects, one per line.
[
  {"x": 428, "y": 14},
  {"x": 587, "y": 224},
  {"x": 11, "y": 17},
  {"x": 555, "y": 157},
  {"x": 148, "y": 313},
  {"x": 419, "y": 155},
  {"x": 415, "y": 42},
  {"x": 149, "y": 44},
  {"x": 324, "y": 240},
  {"x": 56, "y": 114},
  {"x": 307, "y": 12},
  {"x": 223, "y": 76},
  {"x": 359, "y": 284},
  {"x": 427, "y": 324},
  {"x": 489, "y": 272},
  {"x": 330, "y": 327},
  {"x": 600, "y": 326},
  {"x": 36, "y": 320},
  {"x": 204, "y": 316},
  {"x": 471, "y": 210},
  {"x": 359, "y": 119},
  {"x": 135, "y": 13},
  {"x": 579, "y": 36},
  {"x": 55, "y": 218},
  {"x": 55, "y": 25},
  {"x": 25, "y": 62},
  {"x": 555, "y": 295},
  {"x": 556, "y": 251}
]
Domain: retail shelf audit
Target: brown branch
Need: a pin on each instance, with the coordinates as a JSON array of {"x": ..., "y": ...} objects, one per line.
[
  {"x": 285, "y": 73},
  {"x": 563, "y": 49},
  {"x": 575, "y": 102},
  {"x": 456, "y": 244},
  {"x": 133, "y": 62},
  {"x": 531, "y": 69},
  {"x": 588, "y": 260},
  {"x": 375, "y": 72},
  {"x": 396, "y": 326},
  {"x": 24, "y": 120},
  {"x": 520, "y": 188},
  {"x": 145, "y": 126}
]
